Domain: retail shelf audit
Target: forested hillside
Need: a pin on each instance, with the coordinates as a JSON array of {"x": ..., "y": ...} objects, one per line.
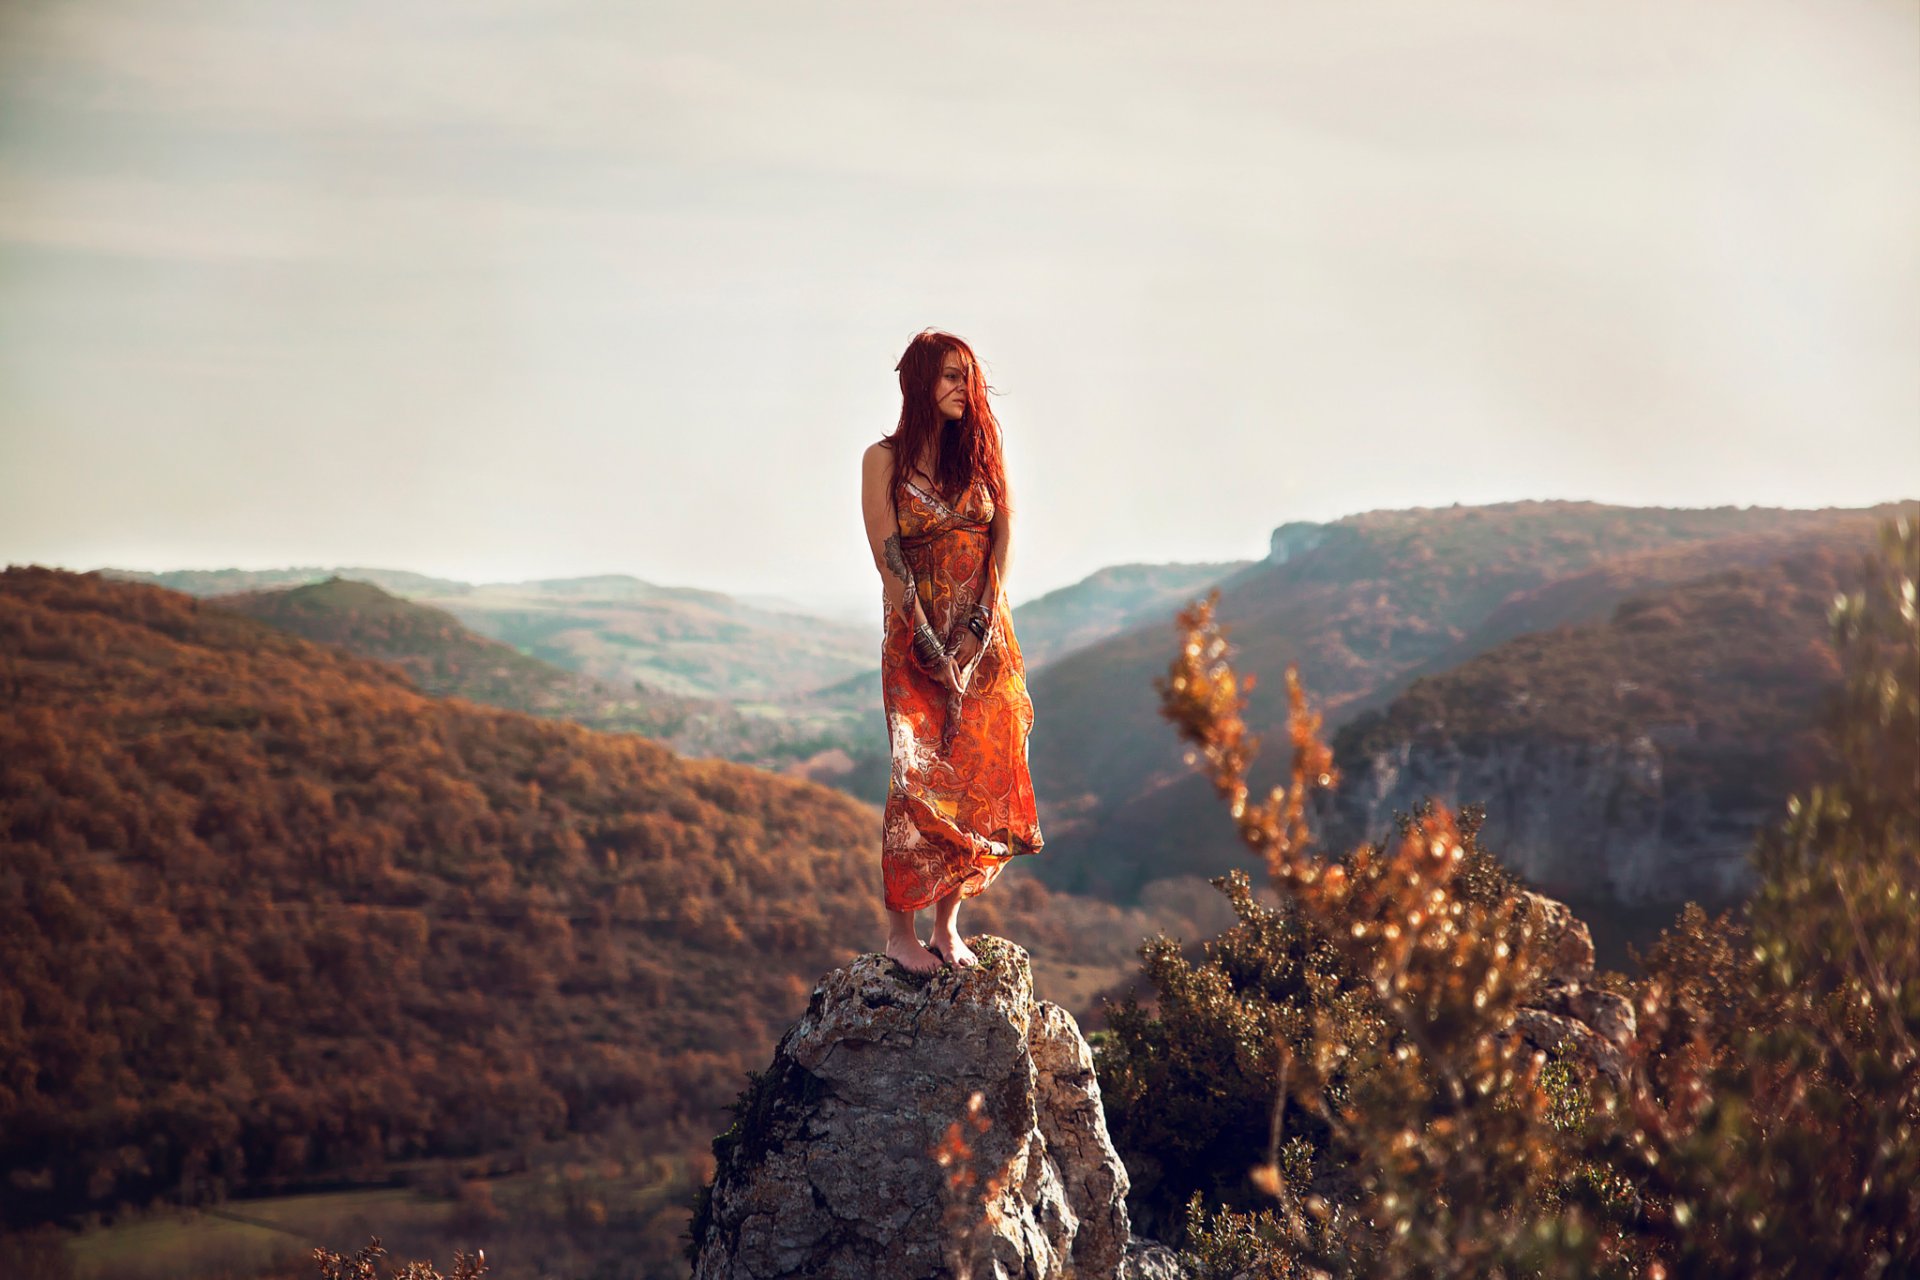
[
  {"x": 1365, "y": 604},
  {"x": 446, "y": 659},
  {"x": 1107, "y": 601},
  {"x": 1632, "y": 758},
  {"x": 273, "y": 915}
]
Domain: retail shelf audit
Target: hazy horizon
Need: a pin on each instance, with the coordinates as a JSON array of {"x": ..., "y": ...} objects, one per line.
[
  {"x": 503, "y": 291},
  {"x": 851, "y": 608}
]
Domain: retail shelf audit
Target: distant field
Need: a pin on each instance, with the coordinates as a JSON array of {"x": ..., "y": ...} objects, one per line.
[
  {"x": 249, "y": 1237},
  {"x": 1076, "y": 987},
  {"x": 571, "y": 1217}
]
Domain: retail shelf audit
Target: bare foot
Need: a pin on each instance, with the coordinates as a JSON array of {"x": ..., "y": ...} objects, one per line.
[
  {"x": 954, "y": 949},
  {"x": 910, "y": 954}
]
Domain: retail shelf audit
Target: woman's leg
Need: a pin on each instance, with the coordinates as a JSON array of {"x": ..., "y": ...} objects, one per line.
[
  {"x": 904, "y": 945},
  {"x": 946, "y": 911}
]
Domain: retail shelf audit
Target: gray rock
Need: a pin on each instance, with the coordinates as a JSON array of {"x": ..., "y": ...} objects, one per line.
[
  {"x": 1295, "y": 538},
  {"x": 1569, "y": 1011},
  {"x": 1552, "y": 1032},
  {"x": 834, "y": 1167},
  {"x": 1150, "y": 1260},
  {"x": 1608, "y": 1013},
  {"x": 1601, "y": 819},
  {"x": 1568, "y": 941}
]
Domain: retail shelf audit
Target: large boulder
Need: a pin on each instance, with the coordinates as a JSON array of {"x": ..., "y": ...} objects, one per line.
[{"x": 914, "y": 1128}]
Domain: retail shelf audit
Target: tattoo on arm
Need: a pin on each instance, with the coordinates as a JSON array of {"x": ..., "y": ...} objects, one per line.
[{"x": 897, "y": 563}]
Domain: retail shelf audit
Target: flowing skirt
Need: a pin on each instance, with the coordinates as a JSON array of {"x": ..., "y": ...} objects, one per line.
[{"x": 959, "y": 796}]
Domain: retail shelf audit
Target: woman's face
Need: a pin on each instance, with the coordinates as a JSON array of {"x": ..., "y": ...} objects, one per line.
[{"x": 950, "y": 388}]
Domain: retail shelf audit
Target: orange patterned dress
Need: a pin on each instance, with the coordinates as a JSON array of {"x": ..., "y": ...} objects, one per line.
[{"x": 959, "y": 798}]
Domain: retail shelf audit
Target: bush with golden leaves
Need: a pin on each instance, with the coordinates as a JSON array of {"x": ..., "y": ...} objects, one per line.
[
  {"x": 1777, "y": 1127},
  {"x": 1192, "y": 1085},
  {"x": 365, "y": 1265},
  {"x": 1445, "y": 1126},
  {"x": 1769, "y": 1122}
]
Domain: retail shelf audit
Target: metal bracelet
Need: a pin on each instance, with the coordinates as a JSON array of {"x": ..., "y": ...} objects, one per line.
[{"x": 927, "y": 646}]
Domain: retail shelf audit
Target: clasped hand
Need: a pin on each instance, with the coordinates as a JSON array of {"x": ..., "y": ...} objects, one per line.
[
  {"x": 957, "y": 661},
  {"x": 965, "y": 648},
  {"x": 947, "y": 670}
]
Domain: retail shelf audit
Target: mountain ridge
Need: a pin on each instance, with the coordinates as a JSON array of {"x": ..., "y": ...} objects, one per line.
[{"x": 1375, "y": 600}]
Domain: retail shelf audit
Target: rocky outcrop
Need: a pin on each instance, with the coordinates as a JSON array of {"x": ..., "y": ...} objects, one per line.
[
  {"x": 1151, "y": 1260},
  {"x": 920, "y": 1127},
  {"x": 1295, "y": 538},
  {"x": 914, "y": 1128},
  {"x": 1597, "y": 818},
  {"x": 1569, "y": 1013}
]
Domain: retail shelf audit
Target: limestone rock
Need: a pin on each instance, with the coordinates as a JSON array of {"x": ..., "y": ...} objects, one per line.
[
  {"x": 1150, "y": 1260},
  {"x": 1569, "y": 943},
  {"x": 1294, "y": 539},
  {"x": 1607, "y": 1012},
  {"x": 1568, "y": 1010},
  {"x": 1553, "y": 1032},
  {"x": 831, "y": 1170},
  {"x": 1603, "y": 818}
]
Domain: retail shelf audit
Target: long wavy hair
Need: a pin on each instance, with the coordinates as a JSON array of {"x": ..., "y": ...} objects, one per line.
[{"x": 968, "y": 450}]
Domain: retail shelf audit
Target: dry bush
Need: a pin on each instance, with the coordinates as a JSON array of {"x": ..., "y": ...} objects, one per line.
[
  {"x": 1779, "y": 1105},
  {"x": 365, "y": 1265},
  {"x": 1769, "y": 1123}
]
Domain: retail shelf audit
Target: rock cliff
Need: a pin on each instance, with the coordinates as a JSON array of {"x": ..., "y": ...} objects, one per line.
[
  {"x": 1593, "y": 819},
  {"x": 919, "y": 1127},
  {"x": 1630, "y": 757},
  {"x": 1295, "y": 538}
]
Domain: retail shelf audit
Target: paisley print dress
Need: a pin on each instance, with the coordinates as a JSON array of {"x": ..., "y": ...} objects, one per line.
[{"x": 959, "y": 798}]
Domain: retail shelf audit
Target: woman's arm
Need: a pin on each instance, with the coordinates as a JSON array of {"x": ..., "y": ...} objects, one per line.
[
  {"x": 883, "y": 535},
  {"x": 1001, "y": 550},
  {"x": 1002, "y": 542},
  {"x": 883, "y": 539}
]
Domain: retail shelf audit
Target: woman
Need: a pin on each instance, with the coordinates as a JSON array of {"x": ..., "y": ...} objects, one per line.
[{"x": 959, "y": 799}]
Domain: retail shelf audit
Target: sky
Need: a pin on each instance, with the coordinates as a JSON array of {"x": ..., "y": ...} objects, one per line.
[{"x": 503, "y": 290}]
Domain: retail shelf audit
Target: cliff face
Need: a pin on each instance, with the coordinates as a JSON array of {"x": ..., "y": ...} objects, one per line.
[
  {"x": 1630, "y": 759},
  {"x": 920, "y": 1127},
  {"x": 1362, "y": 605},
  {"x": 1295, "y": 538},
  {"x": 1590, "y": 819}
]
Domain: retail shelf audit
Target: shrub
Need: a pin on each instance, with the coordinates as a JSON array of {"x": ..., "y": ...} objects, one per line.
[
  {"x": 364, "y": 1265},
  {"x": 1775, "y": 1067}
]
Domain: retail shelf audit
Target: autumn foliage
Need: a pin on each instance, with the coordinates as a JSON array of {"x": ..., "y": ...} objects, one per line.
[
  {"x": 364, "y": 1264},
  {"x": 272, "y": 918},
  {"x": 1769, "y": 1119}
]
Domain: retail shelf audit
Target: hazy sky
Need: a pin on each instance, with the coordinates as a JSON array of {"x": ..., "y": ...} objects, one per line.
[{"x": 497, "y": 290}]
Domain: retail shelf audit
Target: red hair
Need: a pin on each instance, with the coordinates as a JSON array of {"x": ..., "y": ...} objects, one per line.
[{"x": 968, "y": 449}]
